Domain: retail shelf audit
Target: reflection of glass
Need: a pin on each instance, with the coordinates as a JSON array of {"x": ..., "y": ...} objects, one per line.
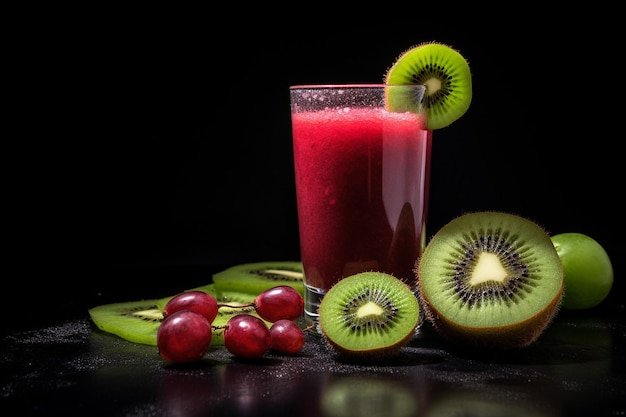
[
  {"x": 368, "y": 396},
  {"x": 362, "y": 182},
  {"x": 188, "y": 395},
  {"x": 253, "y": 389}
]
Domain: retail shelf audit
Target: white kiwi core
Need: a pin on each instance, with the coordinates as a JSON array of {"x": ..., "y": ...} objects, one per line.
[
  {"x": 432, "y": 85},
  {"x": 488, "y": 268},
  {"x": 369, "y": 309}
]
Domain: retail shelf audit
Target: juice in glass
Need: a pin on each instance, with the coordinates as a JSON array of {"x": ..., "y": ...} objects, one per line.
[{"x": 362, "y": 182}]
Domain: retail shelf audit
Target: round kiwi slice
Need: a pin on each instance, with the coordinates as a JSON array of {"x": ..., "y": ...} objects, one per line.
[
  {"x": 138, "y": 321},
  {"x": 490, "y": 279},
  {"x": 368, "y": 315},
  {"x": 446, "y": 75},
  {"x": 257, "y": 277},
  {"x": 135, "y": 321}
]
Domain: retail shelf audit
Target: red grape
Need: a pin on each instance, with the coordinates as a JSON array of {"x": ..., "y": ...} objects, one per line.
[
  {"x": 247, "y": 336},
  {"x": 281, "y": 302},
  {"x": 184, "y": 336},
  {"x": 198, "y": 301},
  {"x": 287, "y": 337}
]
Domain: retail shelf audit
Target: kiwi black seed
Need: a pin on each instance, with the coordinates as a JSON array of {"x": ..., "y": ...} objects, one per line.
[
  {"x": 446, "y": 75},
  {"x": 368, "y": 315},
  {"x": 490, "y": 279},
  {"x": 256, "y": 277}
]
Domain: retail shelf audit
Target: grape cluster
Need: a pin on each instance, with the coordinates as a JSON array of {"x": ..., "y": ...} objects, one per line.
[{"x": 187, "y": 327}]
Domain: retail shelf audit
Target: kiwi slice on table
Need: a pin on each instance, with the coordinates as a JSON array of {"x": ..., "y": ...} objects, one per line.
[
  {"x": 257, "y": 277},
  {"x": 138, "y": 321},
  {"x": 446, "y": 75},
  {"x": 135, "y": 321},
  {"x": 368, "y": 315},
  {"x": 490, "y": 279}
]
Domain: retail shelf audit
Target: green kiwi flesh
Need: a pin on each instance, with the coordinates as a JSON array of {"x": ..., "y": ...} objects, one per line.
[
  {"x": 135, "y": 321},
  {"x": 257, "y": 277},
  {"x": 490, "y": 279},
  {"x": 446, "y": 75},
  {"x": 368, "y": 315}
]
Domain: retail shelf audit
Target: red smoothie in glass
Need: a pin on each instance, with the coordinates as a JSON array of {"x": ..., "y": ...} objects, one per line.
[{"x": 362, "y": 179}]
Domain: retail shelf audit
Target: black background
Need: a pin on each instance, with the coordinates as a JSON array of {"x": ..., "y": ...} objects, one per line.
[{"x": 144, "y": 152}]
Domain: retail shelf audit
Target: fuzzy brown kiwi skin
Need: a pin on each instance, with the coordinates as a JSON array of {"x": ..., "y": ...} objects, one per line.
[{"x": 516, "y": 336}]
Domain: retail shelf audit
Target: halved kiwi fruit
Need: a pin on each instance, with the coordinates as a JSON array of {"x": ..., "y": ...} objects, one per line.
[
  {"x": 446, "y": 75},
  {"x": 368, "y": 315},
  {"x": 490, "y": 279},
  {"x": 257, "y": 277}
]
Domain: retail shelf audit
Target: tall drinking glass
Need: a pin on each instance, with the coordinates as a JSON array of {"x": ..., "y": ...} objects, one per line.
[{"x": 362, "y": 177}]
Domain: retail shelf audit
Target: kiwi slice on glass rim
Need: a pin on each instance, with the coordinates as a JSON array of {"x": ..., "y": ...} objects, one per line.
[
  {"x": 368, "y": 315},
  {"x": 490, "y": 279},
  {"x": 446, "y": 75}
]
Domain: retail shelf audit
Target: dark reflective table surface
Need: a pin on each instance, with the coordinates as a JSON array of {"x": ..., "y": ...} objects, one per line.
[{"x": 68, "y": 367}]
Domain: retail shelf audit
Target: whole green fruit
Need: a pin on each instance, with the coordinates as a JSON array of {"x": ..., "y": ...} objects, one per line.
[{"x": 588, "y": 272}]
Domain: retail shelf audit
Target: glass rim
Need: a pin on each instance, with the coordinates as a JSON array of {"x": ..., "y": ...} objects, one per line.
[{"x": 346, "y": 86}]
